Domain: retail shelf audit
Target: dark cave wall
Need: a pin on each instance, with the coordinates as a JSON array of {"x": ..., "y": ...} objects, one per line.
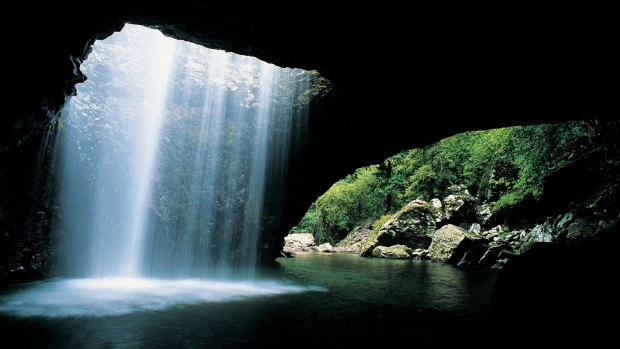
[
  {"x": 402, "y": 77},
  {"x": 399, "y": 69}
]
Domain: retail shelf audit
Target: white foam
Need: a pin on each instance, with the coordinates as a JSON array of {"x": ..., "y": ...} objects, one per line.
[{"x": 118, "y": 296}]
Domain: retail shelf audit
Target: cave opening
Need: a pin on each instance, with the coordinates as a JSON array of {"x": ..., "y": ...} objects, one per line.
[{"x": 491, "y": 76}]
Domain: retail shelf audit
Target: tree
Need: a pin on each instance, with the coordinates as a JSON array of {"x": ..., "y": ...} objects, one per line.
[{"x": 502, "y": 166}]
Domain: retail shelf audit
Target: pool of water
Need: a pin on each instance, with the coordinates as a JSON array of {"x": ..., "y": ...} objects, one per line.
[{"x": 313, "y": 300}]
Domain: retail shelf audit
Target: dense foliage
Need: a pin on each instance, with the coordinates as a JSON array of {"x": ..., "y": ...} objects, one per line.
[{"x": 501, "y": 166}]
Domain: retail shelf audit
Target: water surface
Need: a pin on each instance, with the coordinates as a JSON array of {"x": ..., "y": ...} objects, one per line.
[{"x": 309, "y": 301}]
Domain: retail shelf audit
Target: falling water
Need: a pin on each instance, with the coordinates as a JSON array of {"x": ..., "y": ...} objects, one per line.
[{"x": 165, "y": 155}]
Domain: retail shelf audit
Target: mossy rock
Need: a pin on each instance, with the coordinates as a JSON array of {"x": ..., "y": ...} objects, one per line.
[{"x": 451, "y": 243}]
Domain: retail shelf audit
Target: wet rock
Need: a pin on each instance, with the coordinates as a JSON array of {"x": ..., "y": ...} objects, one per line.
[
  {"x": 492, "y": 254},
  {"x": 469, "y": 258},
  {"x": 566, "y": 286},
  {"x": 506, "y": 254},
  {"x": 499, "y": 264},
  {"x": 392, "y": 252},
  {"x": 412, "y": 226},
  {"x": 419, "y": 253},
  {"x": 451, "y": 243}
]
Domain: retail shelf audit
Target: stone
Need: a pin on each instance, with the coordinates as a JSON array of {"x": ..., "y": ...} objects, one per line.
[
  {"x": 459, "y": 206},
  {"x": 563, "y": 221},
  {"x": 516, "y": 235},
  {"x": 475, "y": 228},
  {"x": 469, "y": 258},
  {"x": 581, "y": 229},
  {"x": 325, "y": 248},
  {"x": 436, "y": 203},
  {"x": 287, "y": 252},
  {"x": 499, "y": 264},
  {"x": 299, "y": 242},
  {"x": 541, "y": 233},
  {"x": 506, "y": 254},
  {"x": 354, "y": 241},
  {"x": 419, "y": 253},
  {"x": 437, "y": 210},
  {"x": 493, "y": 232},
  {"x": 451, "y": 243},
  {"x": 484, "y": 213},
  {"x": 453, "y": 203},
  {"x": 392, "y": 252},
  {"x": 412, "y": 226},
  {"x": 491, "y": 255}
]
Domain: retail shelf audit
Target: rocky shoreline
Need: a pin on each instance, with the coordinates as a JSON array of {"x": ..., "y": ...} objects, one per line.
[{"x": 456, "y": 231}]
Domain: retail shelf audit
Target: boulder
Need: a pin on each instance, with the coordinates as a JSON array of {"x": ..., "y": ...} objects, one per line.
[
  {"x": 484, "y": 213},
  {"x": 299, "y": 242},
  {"x": 287, "y": 252},
  {"x": 419, "y": 253},
  {"x": 412, "y": 226},
  {"x": 437, "y": 210},
  {"x": 581, "y": 229},
  {"x": 325, "y": 248},
  {"x": 490, "y": 257},
  {"x": 563, "y": 221},
  {"x": 353, "y": 242},
  {"x": 506, "y": 254},
  {"x": 392, "y": 252},
  {"x": 475, "y": 228},
  {"x": 492, "y": 233},
  {"x": 459, "y": 205},
  {"x": 515, "y": 235},
  {"x": 541, "y": 233},
  {"x": 451, "y": 243}
]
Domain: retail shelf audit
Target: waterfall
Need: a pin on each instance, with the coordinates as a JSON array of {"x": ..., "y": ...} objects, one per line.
[{"x": 164, "y": 156}]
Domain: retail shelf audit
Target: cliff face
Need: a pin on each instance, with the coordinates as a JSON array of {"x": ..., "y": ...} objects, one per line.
[{"x": 394, "y": 70}]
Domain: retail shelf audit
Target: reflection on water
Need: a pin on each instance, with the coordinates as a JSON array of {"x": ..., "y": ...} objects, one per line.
[
  {"x": 117, "y": 296},
  {"x": 421, "y": 284},
  {"x": 368, "y": 302}
]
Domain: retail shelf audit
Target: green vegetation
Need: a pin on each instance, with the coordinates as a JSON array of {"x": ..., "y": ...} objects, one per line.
[
  {"x": 355, "y": 198},
  {"x": 376, "y": 225},
  {"x": 501, "y": 166}
]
